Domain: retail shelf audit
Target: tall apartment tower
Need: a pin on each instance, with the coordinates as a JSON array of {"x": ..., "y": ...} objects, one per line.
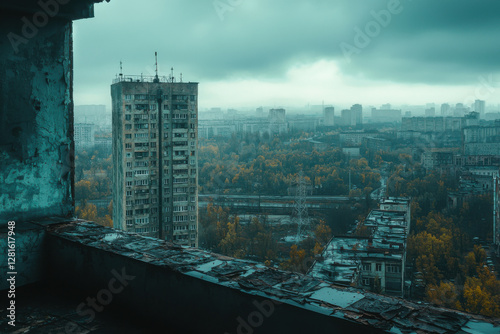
[
  {"x": 329, "y": 116},
  {"x": 155, "y": 140},
  {"x": 357, "y": 109},
  {"x": 479, "y": 107},
  {"x": 445, "y": 109}
]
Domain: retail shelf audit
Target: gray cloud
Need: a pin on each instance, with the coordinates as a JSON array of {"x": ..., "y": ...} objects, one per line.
[{"x": 433, "y": 42}]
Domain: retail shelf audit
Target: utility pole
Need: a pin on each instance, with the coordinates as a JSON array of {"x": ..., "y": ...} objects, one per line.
[{"x": 349, "y": 180}]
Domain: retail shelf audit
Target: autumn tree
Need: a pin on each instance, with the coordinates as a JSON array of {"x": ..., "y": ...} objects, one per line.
[
  {"x": 297, "y": 261},
  {"x": 322, "y": 233},
  {"x": 481, "y": 295},
  {"x": 232, "y": 242},
  {"x": 444, "y": 294},
  {"x": 87, "y": 212},
  {"x": 211, "y": 222}
]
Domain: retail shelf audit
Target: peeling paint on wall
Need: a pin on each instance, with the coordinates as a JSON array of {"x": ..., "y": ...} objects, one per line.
[{"x": 35, "y": 117}]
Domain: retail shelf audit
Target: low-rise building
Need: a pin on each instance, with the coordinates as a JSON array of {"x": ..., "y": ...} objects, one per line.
[
  {"x": 210, "y": 129},
  {"x": 375, "y": 144},
  {"x": 473, "y": 181},
  {"x": 433, "y": 158},
  {"x": 355, "y": 137},
  {"x": 482, "y": 140},
  {"x": 375, "y": 262}
]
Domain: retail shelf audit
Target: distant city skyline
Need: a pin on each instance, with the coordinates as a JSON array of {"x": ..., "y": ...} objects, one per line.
[{"x": 282, "y": 54}]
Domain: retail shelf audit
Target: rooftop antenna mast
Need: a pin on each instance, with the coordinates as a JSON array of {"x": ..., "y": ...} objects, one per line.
[
  {"x": 121, "y": 69},
  {"x": 156, "y": 65},
  {"x": 172, "y": 75}
]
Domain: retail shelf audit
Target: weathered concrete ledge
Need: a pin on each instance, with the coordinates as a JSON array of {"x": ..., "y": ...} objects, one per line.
[{"x": 199, "y": 291}]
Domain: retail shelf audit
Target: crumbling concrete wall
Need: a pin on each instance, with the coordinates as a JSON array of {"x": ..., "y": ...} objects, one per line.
[{"x": 36, "y": 117}]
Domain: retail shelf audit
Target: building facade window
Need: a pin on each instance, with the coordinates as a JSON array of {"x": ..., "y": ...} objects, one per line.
[{"x": 393, "y": 268}]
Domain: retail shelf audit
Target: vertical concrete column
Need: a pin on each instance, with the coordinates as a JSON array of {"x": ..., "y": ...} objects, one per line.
[{"x": 36, "y": 115}]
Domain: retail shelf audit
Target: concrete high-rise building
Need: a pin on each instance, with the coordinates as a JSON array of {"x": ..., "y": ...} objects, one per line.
[
  {"x": 277, "y": 121},
  {"x": 155, "y": 140},
  {"x": 329, "y": 116},
  {"x": 480, "y": 107},
  {"x": 347, "y": 117},
  {"x": 460, "y": 110},
  {"x": 277, "y": 115},
  {"x": 445, "y": 109},
  {"x": 357, "y": 109},
  {"x": 430, "y": 112},
  {"x": 259, "y": 112}
]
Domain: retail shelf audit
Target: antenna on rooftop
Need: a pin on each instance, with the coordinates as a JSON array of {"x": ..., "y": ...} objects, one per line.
[
  {"x": 121, "y": 69},
  {"x": 156, "y": 79},
  {"x": 172, "y": 75},
  {"x": 181, "y": 77}
]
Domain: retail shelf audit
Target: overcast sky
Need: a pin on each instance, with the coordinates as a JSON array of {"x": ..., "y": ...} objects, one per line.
[{"x": 247, "y": 53}]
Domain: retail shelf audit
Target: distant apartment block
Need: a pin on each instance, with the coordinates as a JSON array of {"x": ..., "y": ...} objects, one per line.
[
  {"x": 277, "y": 115},
  {"x": 432, "y": 124},
  {"x": 433, "y": 158},
  {"x": 436, "y": 131},
  {"x": 430, "y": 112},
  {"x": 329, "y": 116},
  {"x": 482, "y": 140},
  {"x": 104, "y": 144},
  {"x": 357, "y": 109},
  {"x": 94, "y": 114},
  {"x": 347, "y": 118},
  {"x": 303, "y": 123},
  {"x": 386, "y": 115},
  {"x": 355, "y": 137},
  {"x": 350, "y": 117},
  {"x": 374, "y": 144},
  {"x": 352, "y": 152},
  {"x": 277, "y": 121},
  {"x": 210, "y": 129},
  {"x": 259, "y": 112},
  {"x": 84, "y": 136},
  {"x": 155, "y": 187},
  {"x": 460, "y": 110},
  {"x": 372, "y": 262},
  {"x": 473, "y": 181},
  {"x": 227, "y": 128},
  {"x": 445, "y": 109},
  {"x": 480, "y": 107}
]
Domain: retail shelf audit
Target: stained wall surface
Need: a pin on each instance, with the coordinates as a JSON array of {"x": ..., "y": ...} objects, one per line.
[{"x": 36, "y": 115}]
